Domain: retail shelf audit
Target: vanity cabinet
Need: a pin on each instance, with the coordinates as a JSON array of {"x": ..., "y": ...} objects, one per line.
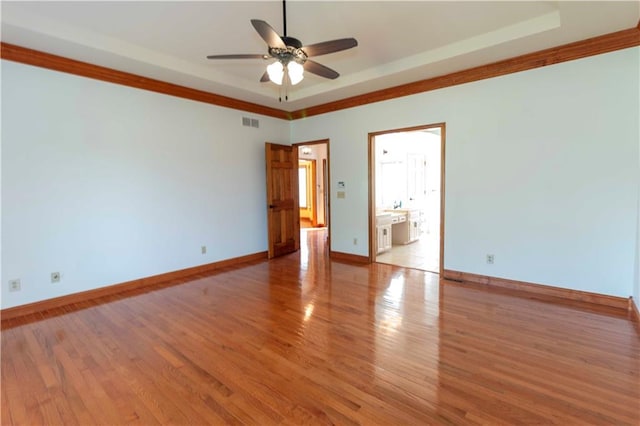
[
  {"x": 384, "y": 238},
  {"x": 414, "y": 229},
  {"x": 408, "y": 230},
  {"x": 383, "y": 233}
]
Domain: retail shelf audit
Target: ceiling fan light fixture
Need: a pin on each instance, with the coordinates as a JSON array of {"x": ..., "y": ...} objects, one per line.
[
  {"x": 276, "y": 72},
  {"x": 296, "y": 72},
  {"x": 291, "y": 55}
]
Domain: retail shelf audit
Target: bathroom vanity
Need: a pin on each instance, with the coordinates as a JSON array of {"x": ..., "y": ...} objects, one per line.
[
  {"x": 397, "y": 227},
  {"x": 406, "y": 227}
]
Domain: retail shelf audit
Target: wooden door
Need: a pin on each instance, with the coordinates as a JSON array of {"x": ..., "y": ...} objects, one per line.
[{"x": 283, "y": 214}]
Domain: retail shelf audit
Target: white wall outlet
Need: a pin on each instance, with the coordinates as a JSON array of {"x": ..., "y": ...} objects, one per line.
[
  {"x": 203, "y": 249},
  {"x": 355, "y": 241},
  {"x": 490, "y": 259},
  {"x": 14, "y": 285},
  {"x": 55, "y": 277}
]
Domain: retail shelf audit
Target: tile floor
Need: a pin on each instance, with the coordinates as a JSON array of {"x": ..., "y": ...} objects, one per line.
[{"x": 423, "y": 254}]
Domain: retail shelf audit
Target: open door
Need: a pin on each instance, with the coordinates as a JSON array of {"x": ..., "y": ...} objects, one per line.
[{"x": 283, "y": 214}]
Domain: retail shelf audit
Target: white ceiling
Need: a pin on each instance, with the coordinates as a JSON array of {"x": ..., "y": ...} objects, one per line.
[{"x": 399, "y": 42}]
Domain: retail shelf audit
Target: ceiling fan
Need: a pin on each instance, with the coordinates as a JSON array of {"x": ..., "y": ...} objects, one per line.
[{"x": 291, "y": 56}]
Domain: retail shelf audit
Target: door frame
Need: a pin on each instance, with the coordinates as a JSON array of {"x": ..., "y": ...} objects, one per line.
[
  {"x": 327, "y": 190},
  {"x": 372, "y": 185}
]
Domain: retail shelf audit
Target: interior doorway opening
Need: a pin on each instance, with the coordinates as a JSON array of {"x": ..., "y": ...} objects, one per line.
[
  {"x": 407, "y": 197},
  {"x": 313, "y": 184},
  {"x": 308, "y": 193}
]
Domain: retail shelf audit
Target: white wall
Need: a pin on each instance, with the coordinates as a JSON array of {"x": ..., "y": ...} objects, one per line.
[
  {"x": 636, "y": 289},
  {"x": 107, "y": 183},
  {"x": 541, "y": 171}
]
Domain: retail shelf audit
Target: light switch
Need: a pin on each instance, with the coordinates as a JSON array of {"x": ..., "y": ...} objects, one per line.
[{"x": 341, "y": 194}]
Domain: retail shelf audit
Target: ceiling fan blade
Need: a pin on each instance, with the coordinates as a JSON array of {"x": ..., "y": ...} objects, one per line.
[
  {"x": 319, "y": 69},
  {"x": 264, "y": 78},
  {"x": 242, "y": 56},
  {"x": 330, "y": 46},
  {"x": 268, "y": 34}
]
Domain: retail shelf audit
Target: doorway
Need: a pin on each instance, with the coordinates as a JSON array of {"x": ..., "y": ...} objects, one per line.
[
  {"x": 313, "y": 185},
  {"x": 308, "y": 193},
  {"x": 407, "y": 197}
]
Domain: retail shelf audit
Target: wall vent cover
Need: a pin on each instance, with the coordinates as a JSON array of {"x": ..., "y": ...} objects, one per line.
[{"x": 250, "y": 122}]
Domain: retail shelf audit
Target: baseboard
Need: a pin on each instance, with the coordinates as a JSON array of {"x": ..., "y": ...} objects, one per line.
[
  {"x": 634, "y": 313},
  {"x": 540, "y": 289},
  {"x": 83, "y": 296},
  {"x": 348, "y": 257}
]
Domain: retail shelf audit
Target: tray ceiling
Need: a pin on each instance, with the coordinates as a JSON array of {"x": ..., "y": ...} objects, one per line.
[{"x": 399, "y": 42}]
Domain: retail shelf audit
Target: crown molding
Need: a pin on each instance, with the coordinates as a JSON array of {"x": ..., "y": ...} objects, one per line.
[
  {"x": 568, "y": 52},
  {"x": 36, "y": 58}
]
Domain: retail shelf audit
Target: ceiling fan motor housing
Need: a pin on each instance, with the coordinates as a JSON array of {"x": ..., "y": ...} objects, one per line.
[
  {"x": 292, "y": 42},
  {"x": 293, "y": 51}
]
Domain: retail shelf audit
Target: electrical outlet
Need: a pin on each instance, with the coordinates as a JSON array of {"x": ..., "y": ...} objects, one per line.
[
  {"x": 203, "y": 249},
  {"x": 490, "y": 259},
  {"x": 355, "y": 241},
  {"x": 14, "y": 285},
  {"x": 55, "y": 277}
]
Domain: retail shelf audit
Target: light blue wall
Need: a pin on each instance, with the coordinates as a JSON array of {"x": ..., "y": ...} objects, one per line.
[
  {"x": 107, "y": 183},
  {"x": 541, "y": 170}
]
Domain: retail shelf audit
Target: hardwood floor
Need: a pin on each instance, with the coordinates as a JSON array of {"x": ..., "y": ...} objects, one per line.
[{"x": 303, "y": 340}]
